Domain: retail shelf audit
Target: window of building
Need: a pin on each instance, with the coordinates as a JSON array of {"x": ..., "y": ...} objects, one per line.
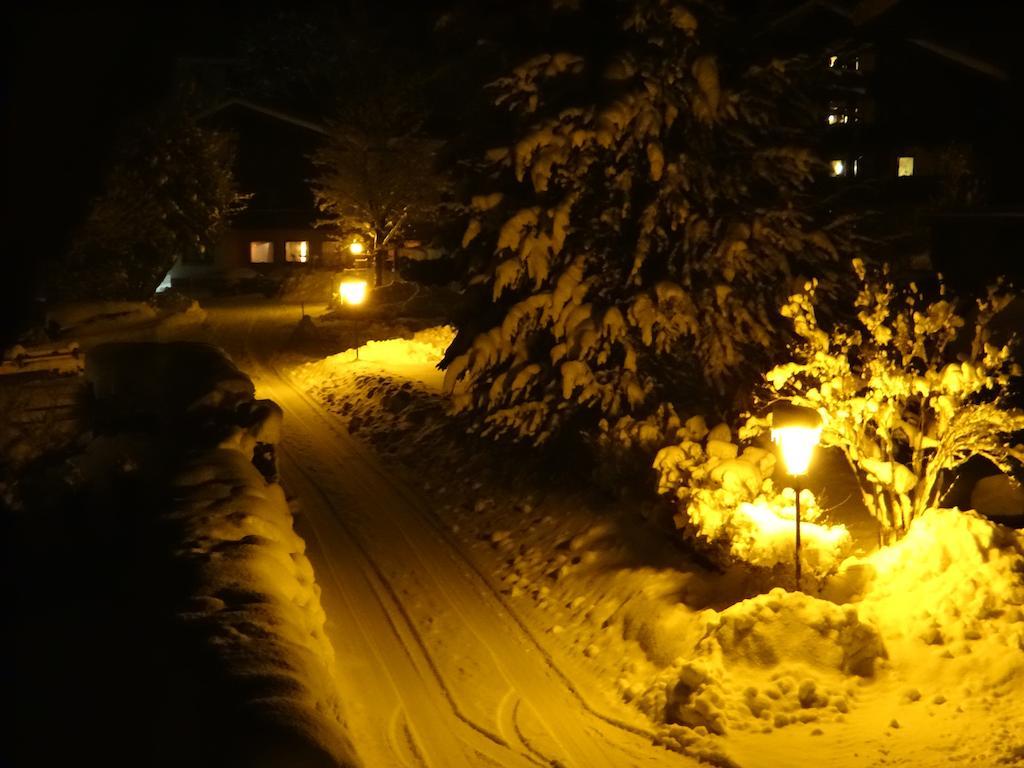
[
  {"x": 296, "y": 250},
  {"x": 905, "y": 166},
  {"x": 845, "y": 63},
  {"x": 261, "y": 252},
  {"x": 838, "y": 167}
]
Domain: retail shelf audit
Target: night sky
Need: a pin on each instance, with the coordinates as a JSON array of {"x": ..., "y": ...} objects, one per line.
[{"x": 74, "y": 74}]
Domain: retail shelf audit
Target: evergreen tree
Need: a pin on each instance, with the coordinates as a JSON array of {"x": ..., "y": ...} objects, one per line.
[
  {"x": 639, "y": 231},
  {"x": 169, "y": 191}
]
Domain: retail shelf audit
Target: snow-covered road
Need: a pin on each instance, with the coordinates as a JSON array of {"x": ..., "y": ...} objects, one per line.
[{"x": 435, "y": 668}]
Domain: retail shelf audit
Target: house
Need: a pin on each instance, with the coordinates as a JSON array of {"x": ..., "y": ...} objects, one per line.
[
  {"x": 276, "y": 231},
  {"x": 920, "y": 119}
]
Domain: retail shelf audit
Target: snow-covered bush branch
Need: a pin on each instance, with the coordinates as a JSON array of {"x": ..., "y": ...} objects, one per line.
[
  {"x": 637, "y": 234},
  {"x": 729, "y": 506},
  {"x": 908, "y": 393}
]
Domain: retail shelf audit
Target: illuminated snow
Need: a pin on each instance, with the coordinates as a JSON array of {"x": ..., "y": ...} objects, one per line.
[{"x": 909, "y": 655}]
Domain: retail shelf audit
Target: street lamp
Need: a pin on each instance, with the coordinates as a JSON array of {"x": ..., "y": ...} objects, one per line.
[
  {"x": 355, "y": 248},
  {"x": 353, "y": 293},
  {"x": 796, "y": 430}
]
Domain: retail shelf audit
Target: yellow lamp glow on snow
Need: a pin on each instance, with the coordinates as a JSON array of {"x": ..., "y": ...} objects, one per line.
[
  {"x": 352, "y": 291},
  {"x": 355, "y": 248}
]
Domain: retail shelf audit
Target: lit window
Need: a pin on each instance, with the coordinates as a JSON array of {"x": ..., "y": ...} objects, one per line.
[
  {"x": 838, "y": 167},
  {"x": 296, "y": 250},
  {"x": 261, "y": 252},
  {"x": 905, "y": 166},
  {"x": 832, "y": 60},
  {"x": 838, "y": 118},
  {"x": 856, "y": 164}
]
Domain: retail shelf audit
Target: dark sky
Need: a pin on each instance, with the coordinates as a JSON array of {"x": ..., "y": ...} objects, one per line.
[{"x": 72, "y": 75}]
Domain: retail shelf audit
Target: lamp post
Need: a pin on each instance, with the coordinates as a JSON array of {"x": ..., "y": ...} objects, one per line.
[
  {"x": 352, "y": 293},
  {"x": 796, "y": 430}
]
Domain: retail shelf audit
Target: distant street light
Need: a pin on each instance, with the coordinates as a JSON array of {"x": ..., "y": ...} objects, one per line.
[
  {"x": 355, "y": 248},
  {"x": 353, "y": 293},
  {"x": 797, "y": 431}
]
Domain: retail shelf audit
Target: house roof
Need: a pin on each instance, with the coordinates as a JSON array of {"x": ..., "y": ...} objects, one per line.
[{"x": 262, "y": 109}]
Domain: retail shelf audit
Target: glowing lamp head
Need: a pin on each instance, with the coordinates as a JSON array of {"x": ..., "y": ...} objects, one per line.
[
  {"x": 796, "y": 430},
  {"x": 352, "y": 291},
  {"x": 355, "y": 248}
]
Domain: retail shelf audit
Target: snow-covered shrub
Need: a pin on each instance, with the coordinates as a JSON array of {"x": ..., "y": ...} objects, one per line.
[
  {"x": 904, "y": 392},
  {"x": 639, "y": 230},
  {"x": 728, "y": 503}
]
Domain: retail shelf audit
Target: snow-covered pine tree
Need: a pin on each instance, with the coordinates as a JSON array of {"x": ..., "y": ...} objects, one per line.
[{"x": 639, "y": 232}]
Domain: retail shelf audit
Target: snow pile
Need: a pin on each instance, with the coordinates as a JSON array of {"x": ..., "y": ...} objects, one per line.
[
  {"x": 763, "y": 663},
  {"x": 391, "y": 388},
  {"x": 254, "y": 604},
  {"x": 426, "y": 347},
  {"x": 955, "y": 581},
  {"x": 936, "y": 617}
]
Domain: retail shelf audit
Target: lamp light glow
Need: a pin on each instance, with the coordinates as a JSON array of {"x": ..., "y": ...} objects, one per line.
[
  {"x": 797, "y": 445},
  {"x": 355, "y": 248},
  {"x": 796, "y": 430},
  {"x": 352, "y": 291}
]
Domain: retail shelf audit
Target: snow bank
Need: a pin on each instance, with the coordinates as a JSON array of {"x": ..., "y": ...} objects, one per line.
[
  {"x": 78, "y": 316},
  {"x": 166, "y": 315},
  {"x": 392, "y": 387},
  {"x": 237, "y": 574},
  {"x": 254, "y": 605},
  {"x": 426, "y": 347}
]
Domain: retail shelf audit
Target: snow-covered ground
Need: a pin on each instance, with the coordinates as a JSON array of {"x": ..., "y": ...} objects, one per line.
[
  {"x": 911, "y": 655},
  {"x": 485, "y": 606}
]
